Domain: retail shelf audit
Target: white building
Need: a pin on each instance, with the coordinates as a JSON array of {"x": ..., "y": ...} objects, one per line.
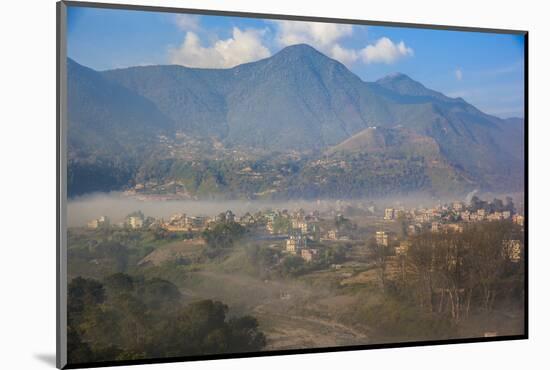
[
  {"x": 382, "y": 238},
  {"x": 135, "y": 222},
  {"x": 295, "y": 243}
]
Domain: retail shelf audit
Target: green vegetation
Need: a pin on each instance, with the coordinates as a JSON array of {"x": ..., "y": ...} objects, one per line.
[
  {"x": 222, "y": 237},
  {"x": 98, "y": 253},
  {"x": 126, "y": 318},
  {"x": 281, "y": 225},
  {"x": 446, "y": 285}
]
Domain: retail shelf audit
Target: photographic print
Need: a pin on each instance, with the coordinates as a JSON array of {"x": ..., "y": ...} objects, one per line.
[{"x": 237, "y": 184}]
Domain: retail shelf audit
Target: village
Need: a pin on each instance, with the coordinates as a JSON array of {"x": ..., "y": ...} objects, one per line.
[{"x": 305, "y": 234}]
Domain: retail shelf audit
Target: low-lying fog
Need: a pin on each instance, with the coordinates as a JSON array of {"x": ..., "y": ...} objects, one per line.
[{"x": 117, "y": 206}]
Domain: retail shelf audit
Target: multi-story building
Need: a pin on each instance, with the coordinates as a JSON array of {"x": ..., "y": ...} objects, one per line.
[
  {"x": 295, "y": 243},
  {"x": 388, "y": 214},
  {"x": 382, "y": 238},
  {"x": 301, "y": 225},
  {"x": 100, "y": 222},
  {"x": 135, "y": 222}
]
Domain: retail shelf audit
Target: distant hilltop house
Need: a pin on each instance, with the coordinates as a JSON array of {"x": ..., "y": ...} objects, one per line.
[{"x": 100, "y": 222}]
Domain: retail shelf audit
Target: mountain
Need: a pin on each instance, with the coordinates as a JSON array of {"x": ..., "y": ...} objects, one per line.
[
  {"x": 397, "y": 140},
  {"x": 105, "y": 117},
  {"x": 299, "y": 100},
  {"x": 111, "y": 129},
  {"x": 399, "y": 145}
]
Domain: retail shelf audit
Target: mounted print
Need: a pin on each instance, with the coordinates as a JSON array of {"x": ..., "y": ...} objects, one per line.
[{"x": 236, "y": 185}]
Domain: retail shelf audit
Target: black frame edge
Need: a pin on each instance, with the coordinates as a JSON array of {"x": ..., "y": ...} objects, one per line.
[
  {"x": 61, "y": 278},
  {"x": 526, "y": 181},
  {"x": 57, "y": 187},
  {"x": 165, "y": 9},
  {"x": 294, "y": 352}
]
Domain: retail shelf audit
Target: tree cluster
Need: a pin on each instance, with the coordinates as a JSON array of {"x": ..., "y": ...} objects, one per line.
[
  {"x": 458, "y": 273},
  {"x": 125, "y": 318}
]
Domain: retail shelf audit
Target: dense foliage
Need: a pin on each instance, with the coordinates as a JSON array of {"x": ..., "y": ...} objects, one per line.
[
  {"x": 222, "y": 236},
  {"x": 126, "y": 318}
]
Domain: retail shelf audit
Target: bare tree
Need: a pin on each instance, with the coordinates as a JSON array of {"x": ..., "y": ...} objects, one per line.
[
  {"x": 379, "y": 254},
  {"x": 421, "y": 257}
]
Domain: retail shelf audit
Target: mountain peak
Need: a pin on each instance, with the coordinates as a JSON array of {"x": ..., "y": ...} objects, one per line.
[
  {"x": 398, "y": 78},
  {"x": 303, "y": 49},
  {"x": 404, "y": 85},
  {"x": 300, "y": 52},
  {"x": 394, "y": 77}
]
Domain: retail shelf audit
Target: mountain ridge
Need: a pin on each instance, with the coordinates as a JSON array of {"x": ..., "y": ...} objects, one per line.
[{"x": 301, "y": 100}]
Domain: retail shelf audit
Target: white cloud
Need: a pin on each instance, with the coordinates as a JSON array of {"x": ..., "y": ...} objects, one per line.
[
  {"x": 242, "y": 47},
  {"x": 323, "y": 36},
  {"x": 187, "y": 22},
  {"x": 386, "y": 51},
  {"x": 327, "y": 38},
  {"x": 346, "y": 56},
  {"x": 250, "y": 45},
  {"x": 458, "y": 74},
  {"x": 320, "y": 35}
]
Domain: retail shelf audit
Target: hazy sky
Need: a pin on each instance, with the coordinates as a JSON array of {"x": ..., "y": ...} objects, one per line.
[{"x": 484, "y": 69}]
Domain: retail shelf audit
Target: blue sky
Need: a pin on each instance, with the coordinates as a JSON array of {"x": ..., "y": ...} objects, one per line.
[{"x": 484, "y": 69}]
